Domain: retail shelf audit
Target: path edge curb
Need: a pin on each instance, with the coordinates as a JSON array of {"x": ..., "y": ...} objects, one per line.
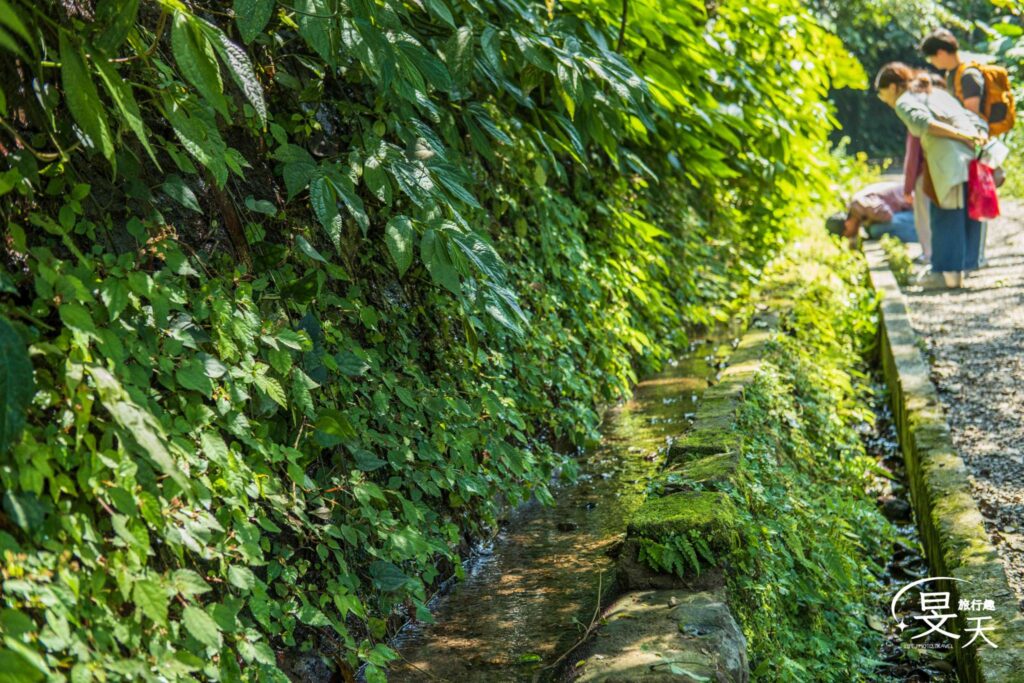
[{"x": 948, "y": 518}]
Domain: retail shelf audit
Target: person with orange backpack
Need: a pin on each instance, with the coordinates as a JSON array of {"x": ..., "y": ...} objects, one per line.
[{"x": 982, "y": 88}]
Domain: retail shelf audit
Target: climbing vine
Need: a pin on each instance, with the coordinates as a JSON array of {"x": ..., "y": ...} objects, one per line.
[{"x": 295, "y": 294}]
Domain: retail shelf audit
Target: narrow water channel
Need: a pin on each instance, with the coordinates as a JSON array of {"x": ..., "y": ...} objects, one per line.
[
  {"x": 903, "y": 659},
  {"x": 522, "y": 601}
]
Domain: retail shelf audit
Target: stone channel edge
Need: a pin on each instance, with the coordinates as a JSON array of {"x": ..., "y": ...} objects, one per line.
[{"x": 947, "y": 516}]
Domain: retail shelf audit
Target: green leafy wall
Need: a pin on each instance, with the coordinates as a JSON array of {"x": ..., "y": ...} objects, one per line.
[{"x": 309, "y": 291}]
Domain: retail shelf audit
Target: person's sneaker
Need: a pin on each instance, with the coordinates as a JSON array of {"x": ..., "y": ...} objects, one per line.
[
  {"x": 931, "y": 279},
  {"x": 954, "y": 279}
]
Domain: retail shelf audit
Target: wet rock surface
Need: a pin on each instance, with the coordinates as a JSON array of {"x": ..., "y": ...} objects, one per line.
[
  {"x": 975, "y": 343},
  {"x": 668, "y": 635}
]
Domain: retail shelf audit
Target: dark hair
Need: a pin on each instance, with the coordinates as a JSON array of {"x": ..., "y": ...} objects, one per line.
[
  {"x": 836, "y": 224},
  {"x": 894, "y": 72},
  {"x": 939, "y": 39},
  {"x": 926, "y": 81},
  {"x": 921, "y": 82}
]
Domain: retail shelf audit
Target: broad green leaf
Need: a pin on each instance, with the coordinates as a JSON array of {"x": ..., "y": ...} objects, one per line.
[
  {"x": 189, "y": 583},
  {"x": 376, "y": 179},
  {"x": 175, "y": 188},
  {"x": 439, "y": 265},
  {"x": 459, "y": 55},
  {"x": 117, "y": 17},
  {"x": 387, "y": 576},
  {"x": 252, "y": 17},
  {"x": 114, "y": 294},
  {"x": 311, "y": 616},
  {"x": 398, "y": 235},
  {"x": 240, "y": 68},
  {"x": 121, "y": 94},
  {"x": 201, "y": 625},
  {"x": 292, "y": 339},
  {"x": 17, "y": 385},
  {"x": 440, "y": 9},
  {"x": 215, "y": 448},
  {"x": 1008, "y": 29},
  {"x": 433, "y": 69},
  {"x": 483, "y": 119},
  {"x": 325, "y": 206},
  {"x": 17, "y": 669},
  {"x": 346, "y": 192},
  {"x": 241, "y": 577},
  {"x": 367, "y": 461},
  {"x": 272, "y": 388},
  {"x": 502, "y": 305},
  {"x": 137, "y": 423},
  {"x": 316, "y": 30},
  {"x": 263, "y": 206},
  {"x": 302, "y": 386},
  {"x": 76, "y": 316},
  {"x": 83, "y": 100},
  {"x": 24, "y": 510},
  {"x": 258, "y": 652},
  {"x": 490, "y": 45},
  {"x": 9, "y": 18},
  {"x": 195, "y": 57},
  {"x": 306, "y": 248},
  {"x": 299, "y": 168},
  {"x": 479, "y": 253},
  {"x": 151, "y": 600},
  {"x": 335, "y": 423},
  {"x": 451, "y": 182},
  {"x": 7, "y": 42},
  {"x": 192, "y": 375},
  {"x": 197, "y": 131}
]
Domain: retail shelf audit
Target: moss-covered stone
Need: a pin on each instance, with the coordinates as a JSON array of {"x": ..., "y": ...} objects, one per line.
[
  {"x": 716, "y": 470},
  {"x": 710, "y": 515}
]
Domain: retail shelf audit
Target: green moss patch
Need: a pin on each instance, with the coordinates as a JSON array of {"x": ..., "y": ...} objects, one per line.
[{"x": 705, "y": 514}]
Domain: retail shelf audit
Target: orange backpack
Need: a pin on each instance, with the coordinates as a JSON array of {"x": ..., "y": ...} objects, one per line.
[{"x": 998, "y": 107}]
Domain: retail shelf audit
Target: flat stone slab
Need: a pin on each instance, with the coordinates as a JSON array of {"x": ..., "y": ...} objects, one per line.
[{"x": 667, "y": 635}]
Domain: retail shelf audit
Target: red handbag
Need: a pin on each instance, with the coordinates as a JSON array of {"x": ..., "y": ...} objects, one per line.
[{"x": 982, "y": 200}]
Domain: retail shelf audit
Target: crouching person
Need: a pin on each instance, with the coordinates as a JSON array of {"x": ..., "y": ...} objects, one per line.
[{"x": 881, "y": 209}]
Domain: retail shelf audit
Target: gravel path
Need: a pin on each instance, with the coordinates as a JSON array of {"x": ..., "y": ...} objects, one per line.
[{"x": 975, "y": 340}]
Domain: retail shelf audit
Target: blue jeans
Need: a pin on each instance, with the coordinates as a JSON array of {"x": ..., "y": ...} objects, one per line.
[
  {"x": 956, "y": 239},
  {"x": 901, "y": 227}
]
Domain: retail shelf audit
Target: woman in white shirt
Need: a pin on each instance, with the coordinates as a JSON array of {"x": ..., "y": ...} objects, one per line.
[{"x": 948, "y": 133}]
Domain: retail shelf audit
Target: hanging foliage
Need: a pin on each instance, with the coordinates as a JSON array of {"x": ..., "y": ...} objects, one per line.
[{"x": 308, "y": 288}]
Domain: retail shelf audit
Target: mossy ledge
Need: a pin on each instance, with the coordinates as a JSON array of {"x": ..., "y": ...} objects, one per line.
[
  {"x": 708, "y": 514},
  {"x": 706, "y": 457},
  {"x": 779, "y": 439},
  {"x": 947, "y": 516}
]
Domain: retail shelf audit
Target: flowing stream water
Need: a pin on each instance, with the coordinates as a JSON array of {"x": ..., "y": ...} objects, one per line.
[
  {"x": 526, "y": 598},
  {"x": 903, "y": 659}
]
